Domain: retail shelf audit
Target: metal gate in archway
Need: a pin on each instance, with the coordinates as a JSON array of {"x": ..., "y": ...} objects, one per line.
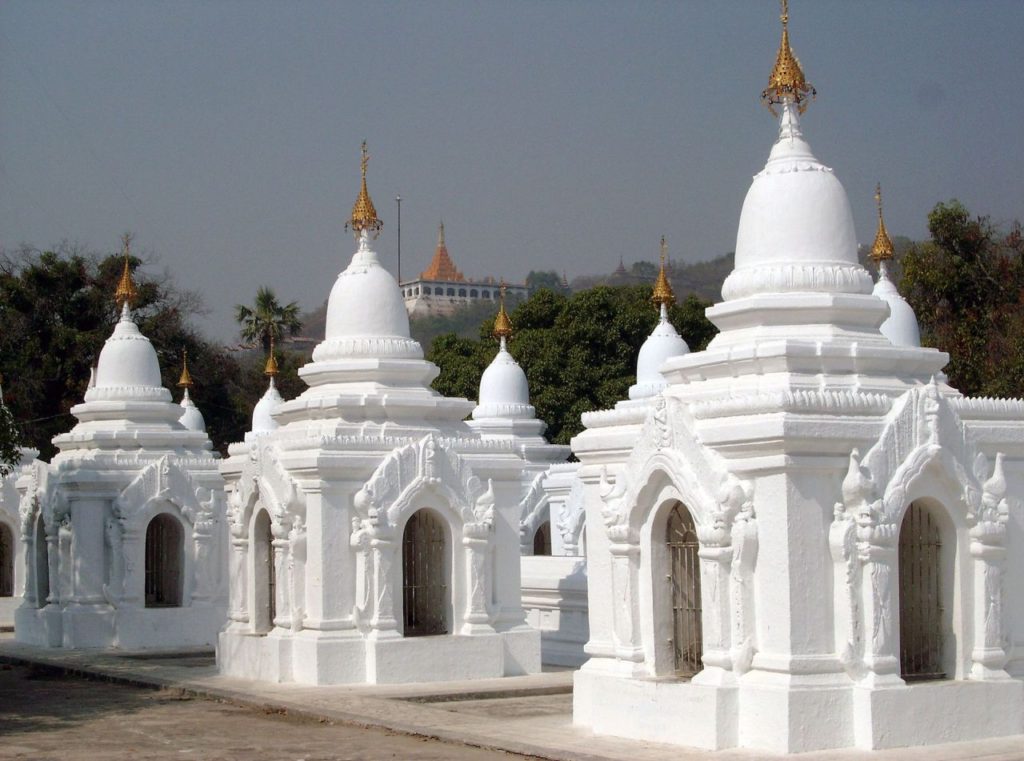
[
  {"x": 921, "y": 609},
  {"x": 164, "y": 547},
  {"x": 424, "y": 582},
  {"x": 684, "y": 578}
]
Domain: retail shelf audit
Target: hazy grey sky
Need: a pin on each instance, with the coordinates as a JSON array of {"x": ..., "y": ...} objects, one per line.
[{"x": 548, "y": 135}]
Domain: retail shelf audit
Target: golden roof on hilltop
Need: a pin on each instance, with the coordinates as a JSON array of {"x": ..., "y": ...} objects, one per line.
[{"x": 441, "y": 266}]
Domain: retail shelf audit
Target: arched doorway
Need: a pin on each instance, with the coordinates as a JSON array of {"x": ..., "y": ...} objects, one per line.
[
  {"x": 684, "y": 578},
  {"x": 922, "y": 610},
  {"x": 42, "y": 561},
  {"x": 6, "y": 561},
  {"x": 264, "y": 573},
  {"x": 165, "y": 549},
  {"x": 542, "y": 539},
  {"x": 424, "y": 576}
]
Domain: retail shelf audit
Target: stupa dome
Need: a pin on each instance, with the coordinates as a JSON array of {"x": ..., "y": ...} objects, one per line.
[
  {"x": 504, "y": 382},
  {"x": 262, "y": 414},
  {"x": 900, "y": 326},
  {"x": 366, "y": 300},
  {"x": 191, "y": 417},
  {"x": 127, "y": 366},
  {"x": 796, "y": 228},
  {"x": 663, "y": 343}
]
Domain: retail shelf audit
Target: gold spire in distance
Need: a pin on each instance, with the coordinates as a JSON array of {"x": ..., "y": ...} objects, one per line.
[
  {"x": 364, "y": 215},
  {"x": 502, "y": 324},
  {"x": 787, "y": 82},
  {"x": 662, "y": 294},
  {"x": 270, "y": 369},
  {"x": 882, "y": 249},
  {"x": 126, "y": 292},
  {"x": 440, "y": 235},
  {"x": 185, "y": 381}
]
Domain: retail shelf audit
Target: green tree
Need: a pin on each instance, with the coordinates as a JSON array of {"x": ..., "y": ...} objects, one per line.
[
  {"x": 966, "y": 286},
  {"x": 10, "y": 454},
  {"x": 579, "y": 352},
  {"x": 548, "y": 279},
  {"x": 267, "y": 320}
]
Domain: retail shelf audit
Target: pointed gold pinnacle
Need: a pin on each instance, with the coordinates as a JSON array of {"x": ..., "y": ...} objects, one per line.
[
  {"x": 662, "y": 294},
  {"x": 882, "y": 249},
  {"x": 502, "y": 324},
  {"x": 787, "y": 82},
  {"x": 364, "y": 215},
  {"x": 185, "y": 381},
  {"x": 126, "y": 292}
]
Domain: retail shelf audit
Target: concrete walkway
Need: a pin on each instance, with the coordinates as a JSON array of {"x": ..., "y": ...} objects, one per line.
[{"x": 531, "y": 715}]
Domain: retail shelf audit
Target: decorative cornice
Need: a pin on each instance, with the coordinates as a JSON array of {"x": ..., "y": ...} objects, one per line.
[
  {"x": 828, "y": 277},
  {"x": 806, "y": 402},
  {"x": 987, "y": 407}
]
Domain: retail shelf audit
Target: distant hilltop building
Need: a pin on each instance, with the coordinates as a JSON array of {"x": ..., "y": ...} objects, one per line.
[{"x": 442, "y": 289}]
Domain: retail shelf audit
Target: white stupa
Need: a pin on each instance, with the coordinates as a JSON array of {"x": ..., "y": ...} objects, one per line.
[
  {"x": 365, "y": 469},
  {"x": 263, "y": 413},
  {"x": 661, "y": 345},
  {"x": 191, "y": 418},
  {"x": 900, "y": 326},
  {"x": 124, "y": 528},
  {"x": 764, "y": 552}
]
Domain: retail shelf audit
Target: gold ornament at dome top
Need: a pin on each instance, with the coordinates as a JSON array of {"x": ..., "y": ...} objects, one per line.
[
  {"x": 502, "y": 323},
  {"x": 185, "y": 381},
  {"x": 364, "y": 215},
  {"x": 270, "y": 368},
  {"x": 126, "y": 293},
  {"x": 882, "y": 249},
  {"x": 787, "y": 81},
  {"x": 662, "y": 293}
]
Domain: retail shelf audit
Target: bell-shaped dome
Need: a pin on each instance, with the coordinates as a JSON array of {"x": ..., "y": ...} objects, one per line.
[
  {"x": 365, "y": 313},
  {"x": 127, "y": 368},
  {"x": 900, "y": 327},
  {"x": 504, "y": 391},
  {"x": 263, "y": 413},
  {"x": 663, "y": 343},
  {"x": 796, "y": 228},
  {"x": 191, "y": 417}
]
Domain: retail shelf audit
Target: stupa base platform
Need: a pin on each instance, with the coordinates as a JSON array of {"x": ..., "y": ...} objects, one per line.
[{"x": 325, "y": 658}]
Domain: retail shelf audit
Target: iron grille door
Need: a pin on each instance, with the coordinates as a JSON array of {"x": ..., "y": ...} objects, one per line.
[
  {"x": 42, "y": 553},
  {"x": 687, "y": 634},
  {"x": 163, "y": 562},
  {"x": 424, "y": 587},
  {"x": 6, "y": 562},
  {"x": 542, "y": 539},
  {"x": 921, "y": 612}
]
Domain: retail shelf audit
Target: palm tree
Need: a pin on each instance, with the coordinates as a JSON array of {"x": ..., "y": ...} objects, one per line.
[{"x": 267, "y": 320}]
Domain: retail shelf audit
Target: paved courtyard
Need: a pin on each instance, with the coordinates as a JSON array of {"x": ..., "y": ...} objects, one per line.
[
  {"x": 84, "y": 705},
  {"x": 45, "y": 715}
]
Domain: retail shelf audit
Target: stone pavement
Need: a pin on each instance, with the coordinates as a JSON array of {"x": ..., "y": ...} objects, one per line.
[{"x": 530, "y": 716}]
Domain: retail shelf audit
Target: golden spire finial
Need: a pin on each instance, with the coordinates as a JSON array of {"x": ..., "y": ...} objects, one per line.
[
  {"x": 126, "y": 292},
  {"x": 364, "y": 216},
  {"x": 786, "y": 82},
  {"x": 882, "y": 249},
  {"x": 440, "y": 235},
  {"x": 662, "y": 294},
  {"x": 270, "y": 368},
  {"x": 502, "y": 324},
  {"x": 185, "y": 381}
]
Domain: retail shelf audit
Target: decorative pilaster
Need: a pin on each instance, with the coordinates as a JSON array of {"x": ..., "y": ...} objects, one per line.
[
  {"x": 876, "y": 551},
  {"x": 282, "y": 586},
  {"x": 625, "y": 552},
  {"x": 383, "y": 621},
  {"x": 988, "y": 551},
  {"x": 715, "y": 566},
  {"x": 476, "y": 544}
]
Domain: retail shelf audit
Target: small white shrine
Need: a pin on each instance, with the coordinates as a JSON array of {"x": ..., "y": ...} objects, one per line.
[
  {"x": 812, "y": 542},
  {"x": 12, "y": 550},
  {"x": 374, "y": 534},
  {"x": 124, "y": 530}
]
